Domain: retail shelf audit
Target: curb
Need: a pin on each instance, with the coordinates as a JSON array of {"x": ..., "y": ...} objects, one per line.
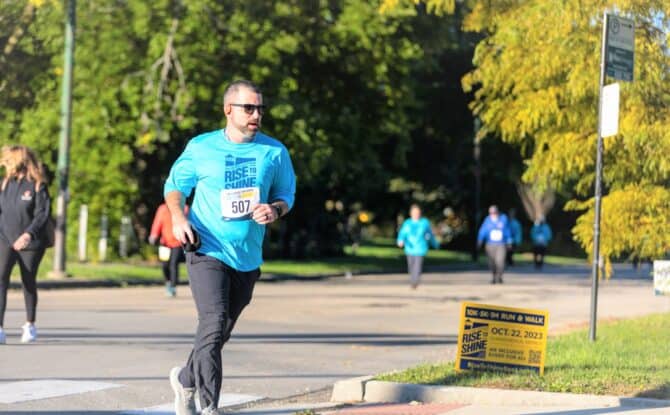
[{"x": 373, "y": 391}]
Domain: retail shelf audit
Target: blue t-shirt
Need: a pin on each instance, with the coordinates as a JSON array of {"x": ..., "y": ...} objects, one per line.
[
  {"x": 541, "y": 234},
  {"x": 416, "y": 235},
  {"x": 228, "y": 177},
  {"x": 495, "y": 232}
]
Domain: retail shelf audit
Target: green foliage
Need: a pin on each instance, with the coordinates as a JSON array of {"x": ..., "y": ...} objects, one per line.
[
  {"x": 339, "y": 76},
  {"x": 537, "y": 88}
]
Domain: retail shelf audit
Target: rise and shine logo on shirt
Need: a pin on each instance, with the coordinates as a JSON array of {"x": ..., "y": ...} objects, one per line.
[
  {"x": 27, "y": 196},
  {"x": 239, "y": 172}
]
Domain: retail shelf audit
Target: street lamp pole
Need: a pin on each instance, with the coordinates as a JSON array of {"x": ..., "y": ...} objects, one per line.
[{"x": 64, "y": 143}]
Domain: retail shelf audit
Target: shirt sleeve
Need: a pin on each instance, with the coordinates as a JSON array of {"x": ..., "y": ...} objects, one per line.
[
  {"x": 483, "y": 231},
  {"x": 402, "y": 233},
  {"x": 183, "y": 176},
  {"x": 283, "y": 186},
  {"x": 41, "y": 213},
  {"x": 157, "y": 224},
  {"x": 433, "y": 242}
]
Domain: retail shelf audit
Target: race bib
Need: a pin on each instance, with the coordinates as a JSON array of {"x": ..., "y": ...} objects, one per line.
[
  {"x": 236, "y": 204},
  {"x": 164, "y": 253},
  {"x": 496, "y": 235}
]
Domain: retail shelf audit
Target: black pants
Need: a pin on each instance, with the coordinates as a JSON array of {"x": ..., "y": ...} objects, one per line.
[
  {"x": 29, "y": 262},
  {"x": 220, "y": 294},
  {"x": 171, "y": 266},
  {"x": 539, "y": 251},
  {"x": 510, "y": 255}
]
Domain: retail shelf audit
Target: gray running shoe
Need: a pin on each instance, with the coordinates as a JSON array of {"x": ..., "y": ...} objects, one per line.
[
  {"x": 210, "y": 410},
  {"x": 184, "y": 398}
]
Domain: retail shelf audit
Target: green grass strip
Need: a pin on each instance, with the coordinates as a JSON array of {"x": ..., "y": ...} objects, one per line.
[
  {"x": 629, "y": 358},
  {"x": 380, "y": 255}
]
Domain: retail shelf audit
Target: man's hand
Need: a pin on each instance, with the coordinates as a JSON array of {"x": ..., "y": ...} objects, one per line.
[
  {"x": 152, "y": 240},
  {"x": 264, "y": 214},
  {"x": 180, "y": 226},
  {"x": 22, "y": 241},
  {"x": 401, "y": 244},
  {"x": 181, "y": 229}
]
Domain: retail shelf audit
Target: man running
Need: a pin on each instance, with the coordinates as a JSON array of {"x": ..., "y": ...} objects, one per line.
[{"x": 243, "y": 181}]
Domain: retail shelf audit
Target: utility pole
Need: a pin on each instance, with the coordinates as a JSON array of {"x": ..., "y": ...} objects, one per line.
[
  {"x": 595, "y": 275},
  {"x": 617, "y": 61},
  {"x": 64, "y": 143}
]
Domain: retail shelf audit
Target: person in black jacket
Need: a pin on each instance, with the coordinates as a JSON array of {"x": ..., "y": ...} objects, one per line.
[{"x": 24, "y": 211}]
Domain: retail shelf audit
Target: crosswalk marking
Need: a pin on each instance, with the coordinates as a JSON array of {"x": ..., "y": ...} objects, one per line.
[{"x": 40, "y": 389}]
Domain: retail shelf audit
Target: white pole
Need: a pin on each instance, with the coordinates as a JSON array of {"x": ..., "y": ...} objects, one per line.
[
  {"x": 83, "y": 229},
  {"x": 102, "y": 242}
]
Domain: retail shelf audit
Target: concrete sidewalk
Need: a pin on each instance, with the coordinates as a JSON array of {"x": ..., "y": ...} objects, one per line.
[
  {"x": 389, "y": 398},
  {"x": 376, "y": 397}
]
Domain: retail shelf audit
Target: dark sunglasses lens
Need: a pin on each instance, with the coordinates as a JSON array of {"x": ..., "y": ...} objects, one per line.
[{"x": 249, "y": 108}]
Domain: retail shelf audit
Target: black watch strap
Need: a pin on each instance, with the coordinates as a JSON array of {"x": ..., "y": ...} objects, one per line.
[{"x": 278, "y": 210}]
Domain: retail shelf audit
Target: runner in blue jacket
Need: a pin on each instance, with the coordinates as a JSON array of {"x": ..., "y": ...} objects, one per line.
[
  {"x": 495, "y": 235},
  {"x": 414, "y": 236}
]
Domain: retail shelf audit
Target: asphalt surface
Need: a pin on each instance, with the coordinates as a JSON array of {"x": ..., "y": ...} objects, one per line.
[{"x": 118, "y": 344}]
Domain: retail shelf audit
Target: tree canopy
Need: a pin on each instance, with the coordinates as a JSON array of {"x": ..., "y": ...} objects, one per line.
[
  {"x": 535, "y": 85},
  {"x": 344, "y": 82}
]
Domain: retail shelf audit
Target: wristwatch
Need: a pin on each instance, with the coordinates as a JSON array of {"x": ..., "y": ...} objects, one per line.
[{"x": 278, "y": 210}]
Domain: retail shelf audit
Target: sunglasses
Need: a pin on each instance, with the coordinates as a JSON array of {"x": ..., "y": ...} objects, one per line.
[{"x": 250, "y": 108}]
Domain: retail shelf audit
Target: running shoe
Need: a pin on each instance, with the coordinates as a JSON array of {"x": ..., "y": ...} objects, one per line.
[
  {"x": 170, "y": 290},
  {"x": 210, "y": 410},
  {"x": 184, "y": 398},
  {"x": 29, "y": 333}
]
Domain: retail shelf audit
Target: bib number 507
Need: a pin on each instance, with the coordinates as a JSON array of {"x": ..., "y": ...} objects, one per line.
[{"x": 240, "y": 206}]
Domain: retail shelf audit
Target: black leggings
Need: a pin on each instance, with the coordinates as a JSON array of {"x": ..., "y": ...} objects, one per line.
[
  {"x": 171, "y": 266},
  {"x": 29, "y": 262}
]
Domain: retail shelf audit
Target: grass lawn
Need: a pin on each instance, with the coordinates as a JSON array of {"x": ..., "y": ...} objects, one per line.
[
  {"x": 630, "y": 358},
  {"x": 373, "y": 257},
  {"x": 380, "y": 255}
]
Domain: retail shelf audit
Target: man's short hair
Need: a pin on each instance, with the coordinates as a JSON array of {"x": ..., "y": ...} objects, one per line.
[{"x": 235, "y": 86}]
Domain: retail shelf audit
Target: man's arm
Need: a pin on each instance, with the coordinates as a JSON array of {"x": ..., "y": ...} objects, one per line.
[
  {"x": 282, "y": 193},
  {"x": 180, "y": 226}
]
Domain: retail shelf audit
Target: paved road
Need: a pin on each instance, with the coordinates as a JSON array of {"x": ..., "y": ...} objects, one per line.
[{"x": 117, "y": 345}]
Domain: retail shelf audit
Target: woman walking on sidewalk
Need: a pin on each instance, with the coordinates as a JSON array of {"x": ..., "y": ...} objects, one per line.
[{"x": 24, "y": 212}]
